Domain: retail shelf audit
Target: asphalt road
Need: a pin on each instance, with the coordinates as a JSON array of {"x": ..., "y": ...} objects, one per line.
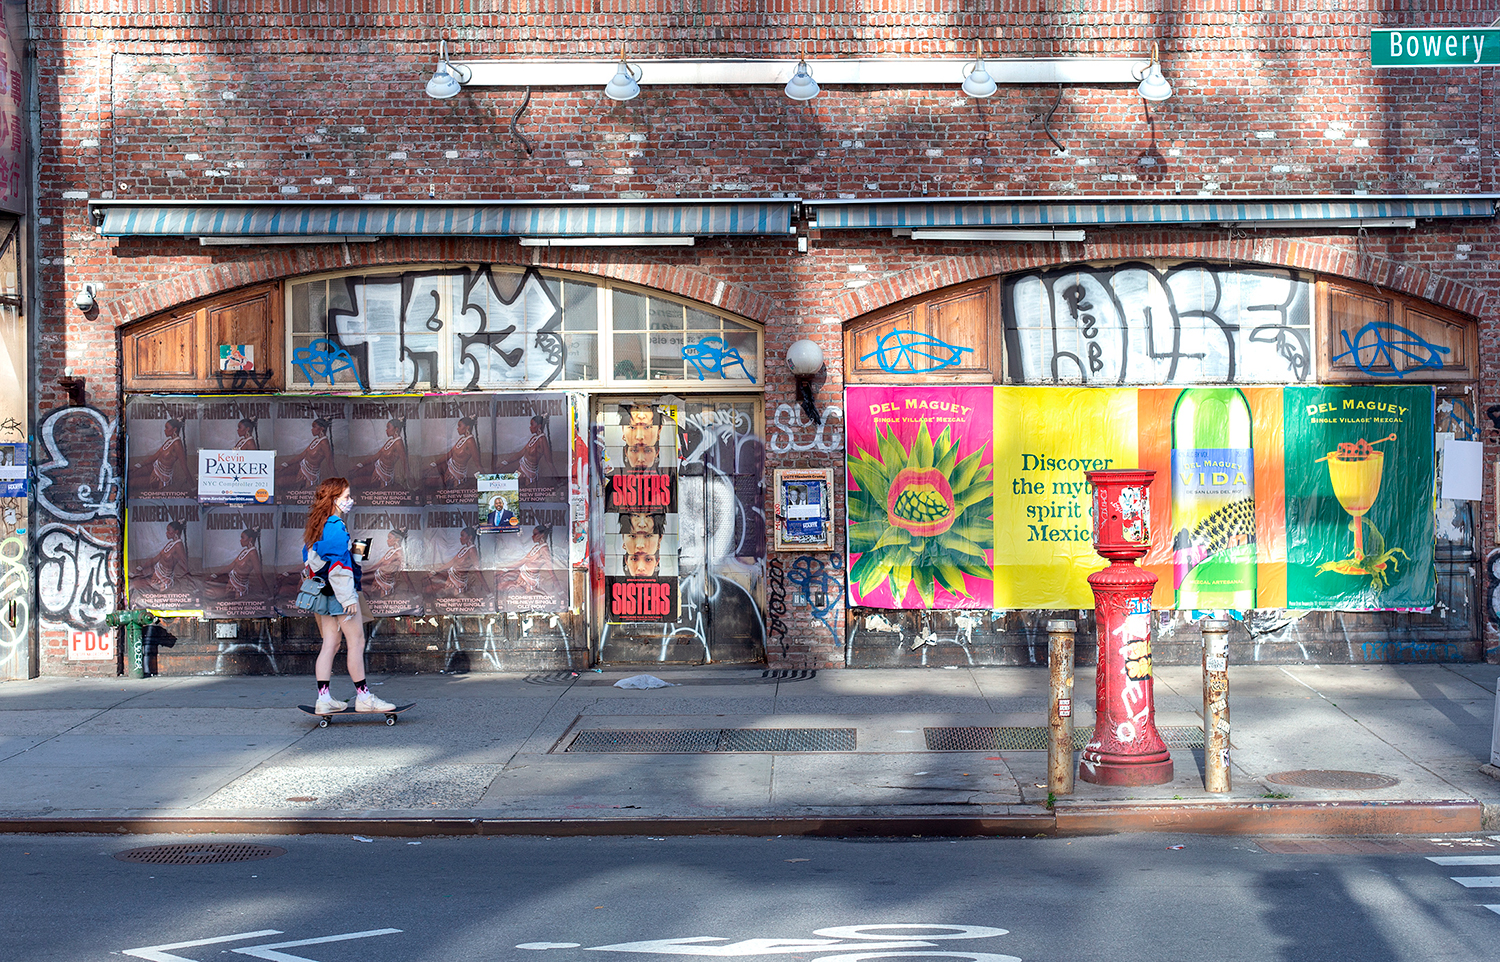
[{"x": 1121, "y": 898}]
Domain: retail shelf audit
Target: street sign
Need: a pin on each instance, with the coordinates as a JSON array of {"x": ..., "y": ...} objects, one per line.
[{"x": 1436, "y": 47}]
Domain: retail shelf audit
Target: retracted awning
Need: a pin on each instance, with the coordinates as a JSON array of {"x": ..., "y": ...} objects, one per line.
[
  {"x": 1107, "y": 211},
  {"x": 337, "y": 220}
]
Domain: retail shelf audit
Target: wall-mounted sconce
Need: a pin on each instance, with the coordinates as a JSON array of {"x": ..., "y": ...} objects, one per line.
[
  {"x": 977, "y": 79},
  {"x": 84, "y": 299},
  {"x": 449, "y": 78},
  {"x": 1154, "y": 86},
  {"x": 806, "y": 359},
  {"x": 624, "y": 85},
  {"x": 802, "y": 86}
]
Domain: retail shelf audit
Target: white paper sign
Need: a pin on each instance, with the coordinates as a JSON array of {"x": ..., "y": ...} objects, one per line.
[
  {"x": 1463, "y": 470},
  {"x": 236, "y": 477}
]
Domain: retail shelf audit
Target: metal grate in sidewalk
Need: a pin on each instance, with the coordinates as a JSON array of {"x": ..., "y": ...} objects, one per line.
[
  {"x": 980, "y": 739},
  {"x": 708, "y": 740}
]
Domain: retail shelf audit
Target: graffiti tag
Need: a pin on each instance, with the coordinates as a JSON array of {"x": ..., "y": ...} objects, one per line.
[
  {"x": 74, "y": 577},
  {"x": 714, "y": 354},
  {"x": 1371, "y": 348},
  {"x": 911, "y": 352},
  {"x": 77, "y": 481}
]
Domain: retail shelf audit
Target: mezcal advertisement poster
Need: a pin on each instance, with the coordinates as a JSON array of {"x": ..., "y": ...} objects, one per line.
[
  {"x": 1359, "y": 497},
  {"x": 920, "y": 497}
]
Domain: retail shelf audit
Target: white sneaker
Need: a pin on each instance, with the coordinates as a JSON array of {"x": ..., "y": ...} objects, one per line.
[
  {"x": 369, "y": 701},
  {"x": 327, "y": 705}
]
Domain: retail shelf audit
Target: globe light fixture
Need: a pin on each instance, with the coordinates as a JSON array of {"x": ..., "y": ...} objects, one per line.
[{"x": 805, "y": 358}]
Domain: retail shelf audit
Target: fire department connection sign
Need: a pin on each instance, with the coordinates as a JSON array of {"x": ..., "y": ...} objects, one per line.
[
  {"x": 236, "y": 477},
  {"x": 1436, "y": 47}
]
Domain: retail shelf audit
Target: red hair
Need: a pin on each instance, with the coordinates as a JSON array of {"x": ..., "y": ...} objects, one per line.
[{"x": 322, "y": 509}]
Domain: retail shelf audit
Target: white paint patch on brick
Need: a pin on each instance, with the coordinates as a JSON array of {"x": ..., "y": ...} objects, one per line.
[
  {"x": 289, "y": 189},
  {"x": 934, "y": 151},
  {"x": 623, "y": 171},
  {"x": 176, "y": 173},
  {"x": 1084, "y": 162},
  {"x": 312, "y": 139},
  {"x": 1361, "y": 142},
  {"x": 91, "y": 142},
  {"x": 372, "y": 197},
  {"x": 216, "y": 173},
  {"x": 1281, "y": 168},
  {"x": 860, "y": 283},
  {"x": 1265, "y": 134},
  {"x": 75, "y": 195},
  {"x": 347, "y": 189},
  {"x": 638, "y": 138},
  {"x": 396, "y": 155},
  {"x": 191, "y": 157},
  {"x": 1175, "y": 152},
  {"x": 1109, "y": 176},
  {"x": 858, "y": 268},
  {"x": 356, "y": 130},
  {"x": 575, "y": 163},
  {"x": 718, "y": 297},
  {"x": 450, "y": 154},
  {"x": 579, "y": 187},
  {"x": 322, "y": 181},
  {"x": 227, "y": 95}
]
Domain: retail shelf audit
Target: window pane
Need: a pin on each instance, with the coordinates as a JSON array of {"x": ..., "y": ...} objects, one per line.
[
  {"x": 580, "y": 306},
  {"x": 583, "y": 357},
  {"x": 630, "y": 357},
  {"x": 703, "y": 321},
  {"x": 740, "y": 357},
  {"x": 630, "y": 311},
  {"x": 666, "y": 355},
  {"x": 666, "y": 315}
]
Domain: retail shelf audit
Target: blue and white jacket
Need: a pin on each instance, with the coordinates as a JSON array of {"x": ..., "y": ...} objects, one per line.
[{"x": 332, "y": 549}]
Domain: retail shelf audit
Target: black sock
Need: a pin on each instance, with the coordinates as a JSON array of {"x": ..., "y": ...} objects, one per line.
[{"x": 360, "y": 688}]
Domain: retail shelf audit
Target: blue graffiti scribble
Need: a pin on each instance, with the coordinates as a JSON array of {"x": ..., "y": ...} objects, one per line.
[
  {"x": 323, "y": 358},
  {"x": 714, "y": 354},
  {"x": 1460, "y": 418},
  {"x": 902, "y": 346},
  {"x": 810, "y": 576},
  {"x": 1383, "y": 351}
]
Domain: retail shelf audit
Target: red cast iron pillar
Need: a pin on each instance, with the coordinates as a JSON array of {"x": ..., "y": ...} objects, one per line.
[{"x": 1126, "y": 748}]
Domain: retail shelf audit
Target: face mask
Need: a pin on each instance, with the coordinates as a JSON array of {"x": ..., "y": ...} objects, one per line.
[{"x": 345, "y": 503}]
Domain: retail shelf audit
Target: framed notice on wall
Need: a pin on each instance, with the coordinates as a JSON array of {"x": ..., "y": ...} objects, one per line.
[{"x": 802, "y": 510}]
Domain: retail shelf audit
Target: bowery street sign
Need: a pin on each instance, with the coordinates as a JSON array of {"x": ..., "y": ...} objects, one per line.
[{"x": 1437, "y": 47}]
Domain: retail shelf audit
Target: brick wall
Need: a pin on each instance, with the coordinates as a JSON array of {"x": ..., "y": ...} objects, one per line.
[{"x": 325, "y": 101}]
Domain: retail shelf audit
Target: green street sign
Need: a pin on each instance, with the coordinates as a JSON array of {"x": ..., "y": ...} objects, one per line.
[{"x": 1439, "y": 47}]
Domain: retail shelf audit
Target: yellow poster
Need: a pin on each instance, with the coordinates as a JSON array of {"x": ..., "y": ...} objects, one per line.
[{"x": 1046, "y": 440}]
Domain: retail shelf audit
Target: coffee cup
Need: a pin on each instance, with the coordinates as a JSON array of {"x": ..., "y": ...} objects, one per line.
[{"x": 360, "y": 549}]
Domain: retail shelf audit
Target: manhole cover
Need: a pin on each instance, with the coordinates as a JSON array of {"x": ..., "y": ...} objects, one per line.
[
  {"x": 1320, "y": 778},
  {"x": 199, "y": 853}
]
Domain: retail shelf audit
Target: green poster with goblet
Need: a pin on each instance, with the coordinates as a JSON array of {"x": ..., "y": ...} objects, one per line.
[{"x": 1359, "y": 473}]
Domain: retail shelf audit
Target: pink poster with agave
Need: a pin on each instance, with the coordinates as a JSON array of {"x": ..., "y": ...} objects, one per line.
[{"x": 920, "y": 496}]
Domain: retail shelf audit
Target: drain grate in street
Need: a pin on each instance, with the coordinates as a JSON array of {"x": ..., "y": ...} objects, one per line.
[
  {"x": 1338, "y": 780},
  {"x": 984, "y": 739},
  {"x": 199, "y": 853},
  {"x": 706, "y": 740}
]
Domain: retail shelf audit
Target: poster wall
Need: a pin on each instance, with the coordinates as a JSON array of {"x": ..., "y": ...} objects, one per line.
[
  {"x": 1296, "y": 497},
  {"x": 414, "y": 466}
]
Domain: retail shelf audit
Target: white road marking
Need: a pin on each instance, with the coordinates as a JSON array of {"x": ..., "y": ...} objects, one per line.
[
  {"x": 694, "y": 945},
  {"x": 1478, "y": 881},
  {"x": 269, "y": 951},
  {"x": 1494, "y": 908},
  {"x": 1464, "y": 859},
  {"x": 160, "y": 953}
]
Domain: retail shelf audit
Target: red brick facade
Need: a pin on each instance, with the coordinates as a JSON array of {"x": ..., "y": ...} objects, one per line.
[{"x": 325, "y": 102}]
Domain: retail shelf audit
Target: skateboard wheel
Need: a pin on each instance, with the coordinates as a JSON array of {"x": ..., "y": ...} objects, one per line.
[
  {"x": 390, "y": 719},
  {"x": 322, "y": 722}
]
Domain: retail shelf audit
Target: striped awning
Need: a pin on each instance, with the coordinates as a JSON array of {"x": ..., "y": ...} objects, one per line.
[
  {"x": 354, "y": 219},
  {"x": 1083, "y": 212}
]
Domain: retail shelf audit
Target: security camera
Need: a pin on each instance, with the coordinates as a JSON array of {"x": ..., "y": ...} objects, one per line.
[{"x": 85, "y": 299}]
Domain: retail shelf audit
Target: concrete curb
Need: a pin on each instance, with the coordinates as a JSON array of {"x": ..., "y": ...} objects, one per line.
[
  {"x": 1213, "y": 818},
  {"x": 854, "y": 826},
  {"x": 1278, "y": 818}
]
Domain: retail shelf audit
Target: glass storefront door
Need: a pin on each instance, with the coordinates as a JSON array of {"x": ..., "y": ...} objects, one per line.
[{"x": 678, "y": 528}]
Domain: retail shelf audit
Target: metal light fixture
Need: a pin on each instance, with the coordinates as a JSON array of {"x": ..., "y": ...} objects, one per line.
[
  {"x": 1154, "y": 86},
  {"x": 802, "y": 86},
  {"x": 806, "y": 359},
  {"x": 977, "y": 79},
  {"x": 449, "y": 78},
  {"x": 84, "y": 300},
  {"x": 624, "y": 85}
]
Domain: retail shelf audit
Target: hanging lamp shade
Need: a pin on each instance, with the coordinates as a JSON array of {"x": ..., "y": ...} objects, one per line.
[
  {"x": 624, "y": 85},
  {"x": 977, "y": 79},
  {"x": 802, "y": 86}
]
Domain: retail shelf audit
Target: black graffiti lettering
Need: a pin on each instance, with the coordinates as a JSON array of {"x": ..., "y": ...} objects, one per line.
[
  {"x": 1096, "y": 357},
  {"x": 776, "y": 605}
]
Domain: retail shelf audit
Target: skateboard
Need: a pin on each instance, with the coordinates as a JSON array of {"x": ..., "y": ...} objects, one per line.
[{"x": 323, "y": 720}]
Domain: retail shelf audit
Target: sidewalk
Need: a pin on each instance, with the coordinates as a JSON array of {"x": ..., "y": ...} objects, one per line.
[{"x": 497, "y": 754}]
